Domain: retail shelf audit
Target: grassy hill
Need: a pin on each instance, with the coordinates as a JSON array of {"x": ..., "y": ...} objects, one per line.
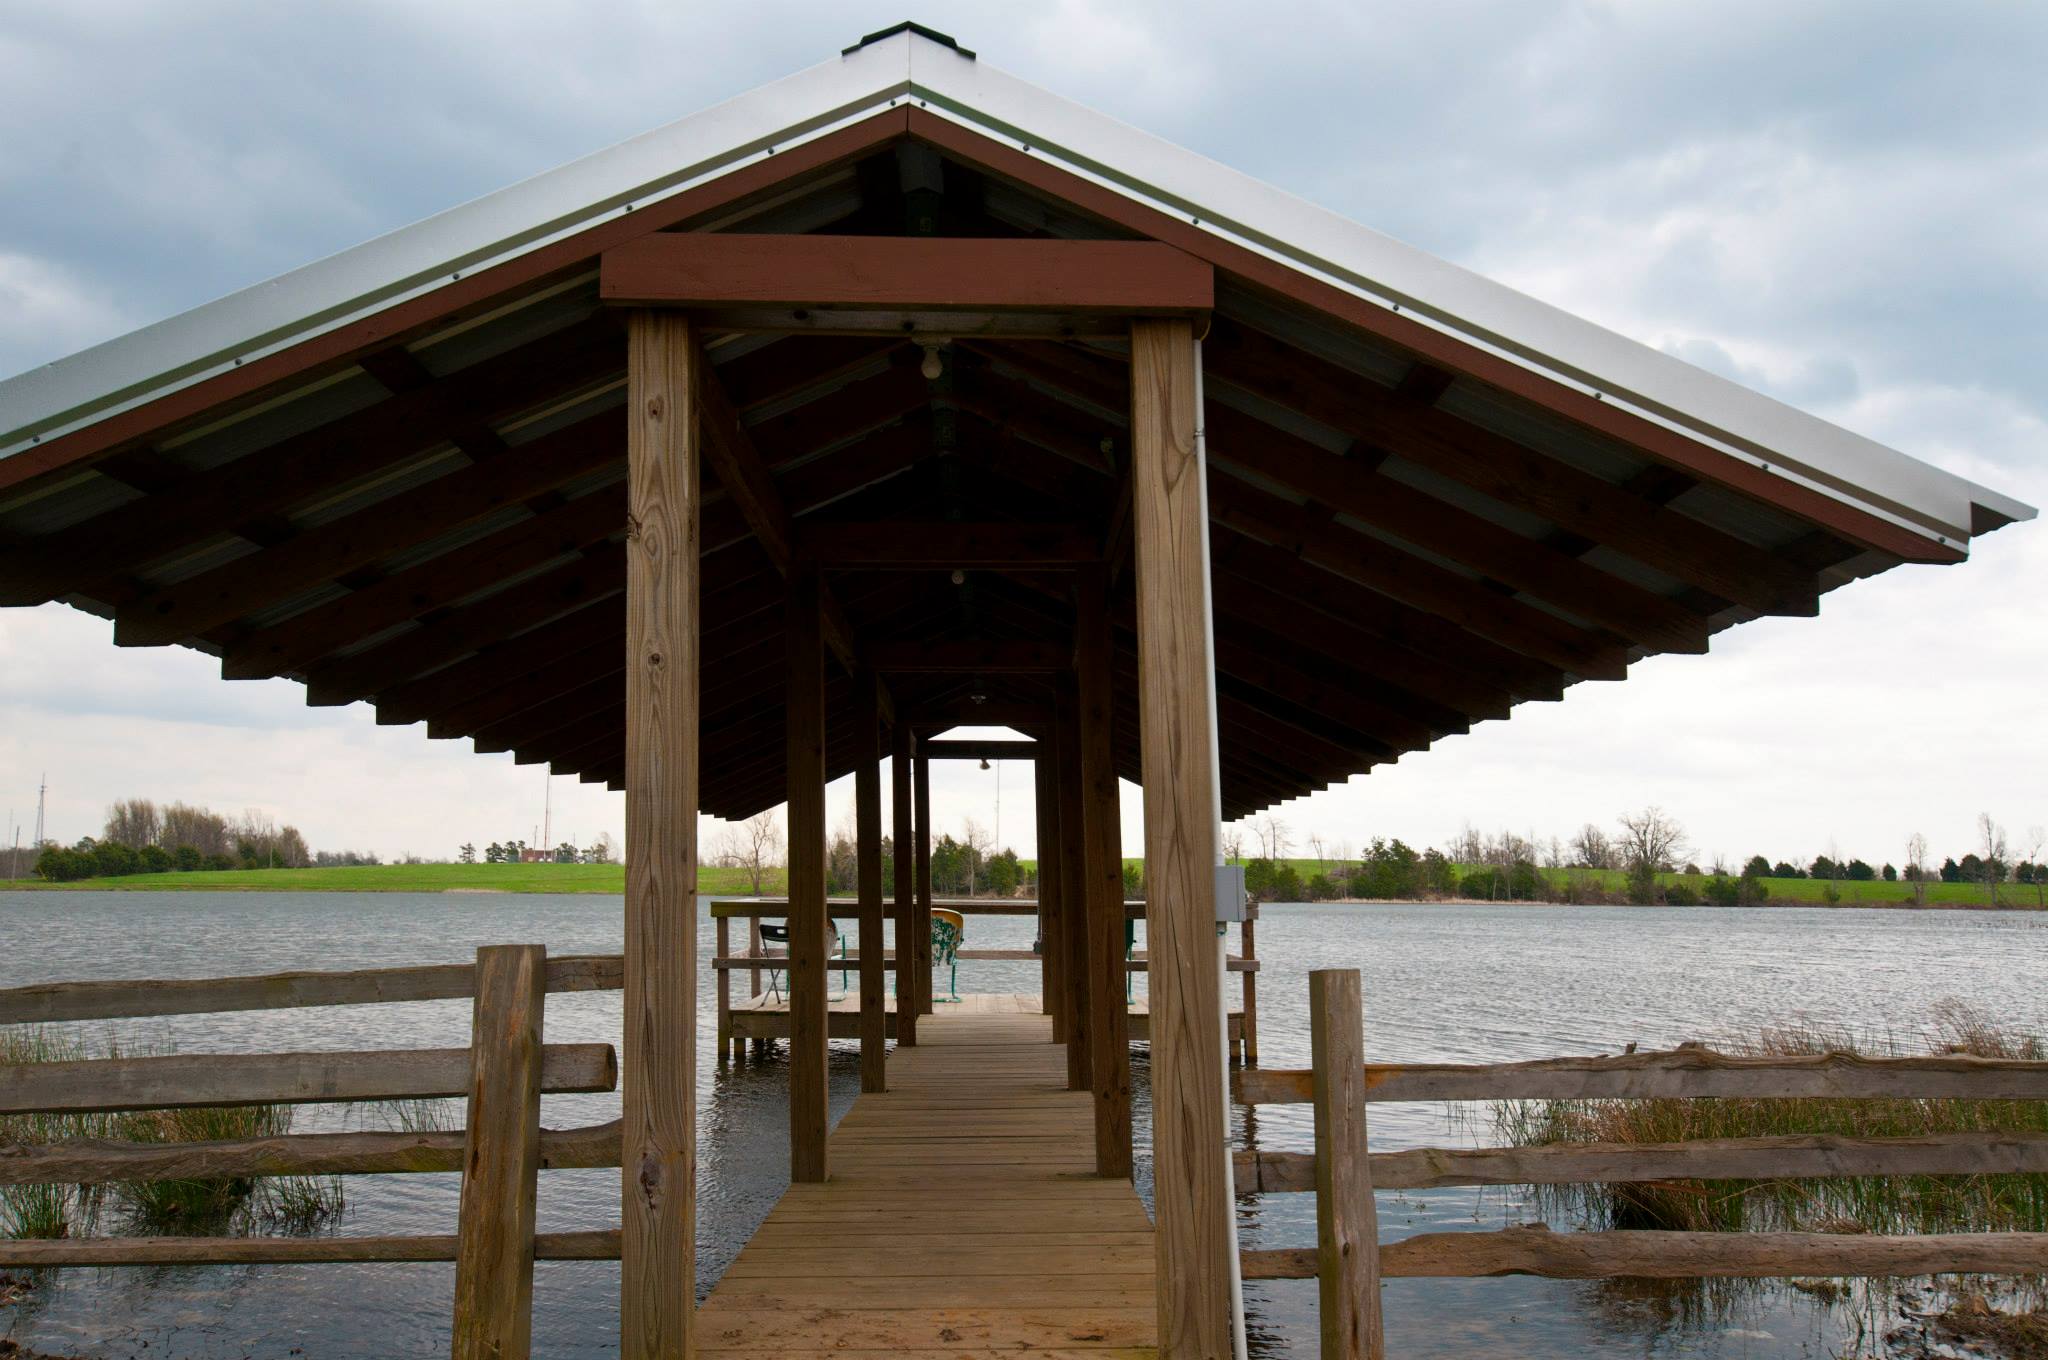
[
  {"x": 611, "y": 878},
  {"x": 518, "y": 878}
]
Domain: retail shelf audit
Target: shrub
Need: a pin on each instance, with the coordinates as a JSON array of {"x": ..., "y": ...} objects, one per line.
[
  {"x": 1436, "y": 873},
  {"x": 1487, "y": 885},
  {"x": 1722, "y": 891},
  {"x": 1134, "y": 882},
  {"x": 1681, "y": 895},
  {"x": 220, "y": 861},
  {"x": 1321, "y": 888},
  {"x": 155, "y": 859},
  {"x": 187, "y": 858}
]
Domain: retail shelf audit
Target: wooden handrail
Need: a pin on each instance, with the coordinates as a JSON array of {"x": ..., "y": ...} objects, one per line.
[
  {"x": 1534, "y": 1250},
  {"x": 1796, "y": 1157},
  {"x": 97, "y": 1162},
  {"x": 1679, "y": 1073},
  {"x": 599, "y": 1245},
  {"x": 180, "y": 1080},
  {"x": 50, "y": 1002}
]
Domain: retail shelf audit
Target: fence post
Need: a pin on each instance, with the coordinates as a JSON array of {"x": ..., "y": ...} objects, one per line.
[
  {"x": 501, "y": 1157},
  {"x": 1248, "y": 947},
  {"x": 727, "y": 1048},
  {"x": 1347, "y": 1227}
]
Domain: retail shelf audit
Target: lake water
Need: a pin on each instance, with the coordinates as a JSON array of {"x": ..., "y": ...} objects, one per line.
[{"x": 1456, "y": 983}]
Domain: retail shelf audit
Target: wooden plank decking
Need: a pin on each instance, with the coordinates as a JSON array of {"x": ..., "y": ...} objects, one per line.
[{"x": 962, "y": 1218}]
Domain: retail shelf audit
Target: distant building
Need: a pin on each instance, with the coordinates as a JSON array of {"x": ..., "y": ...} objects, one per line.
[{"x": 536, "y": 856}]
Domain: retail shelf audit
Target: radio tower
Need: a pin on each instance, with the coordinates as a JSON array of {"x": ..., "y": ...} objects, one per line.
[{"x": 41, "y": 791}]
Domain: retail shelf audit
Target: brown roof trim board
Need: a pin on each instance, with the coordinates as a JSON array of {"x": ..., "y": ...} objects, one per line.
[
  {"x": 342, "y": 346},
  {"x": 1582, "y": 408}
]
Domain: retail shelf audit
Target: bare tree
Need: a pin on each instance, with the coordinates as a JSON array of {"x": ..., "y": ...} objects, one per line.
[
  {"x": 753, "y": 845},
  {"x": 1273, "y": 839},
  {"x": 2037, "y": 839},
  {"x": 1991, "y": 849},
  {"x": 1469, "y": 847},
  {"x": 978, "y": 843},
  {"x": 1592, "y": 849},
  {"x": 1916, "y": 867},
  {"x": 1315, "y": 845},
  {"x": 201, "y": 828},
  {"x": 133, "y": 822},
  {"x": 1233, "y": 844},
  {"x": 600, "y": 850},
  {"x": 1650, "y": 842}
]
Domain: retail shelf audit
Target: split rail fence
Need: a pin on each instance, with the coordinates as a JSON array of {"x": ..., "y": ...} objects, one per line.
[
  {"x": 499, "y": 1152},
  {"x": 1348, "y": 1260}
]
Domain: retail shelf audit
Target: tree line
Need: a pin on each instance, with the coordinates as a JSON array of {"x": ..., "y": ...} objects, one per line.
[
  {"x": 142, "y": 837},
  {"x": 1646, "y": 850},
  {"x": 598, "y": 851}
]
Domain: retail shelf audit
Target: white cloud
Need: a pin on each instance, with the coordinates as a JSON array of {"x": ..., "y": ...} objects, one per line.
[{"x": 1843, "y": 213}]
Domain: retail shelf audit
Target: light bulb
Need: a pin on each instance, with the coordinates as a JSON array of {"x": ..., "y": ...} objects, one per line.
[{"x": 931, "y": 367}]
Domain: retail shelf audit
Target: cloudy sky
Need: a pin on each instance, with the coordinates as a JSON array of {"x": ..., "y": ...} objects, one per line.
[{"x": 1840, "y": 204}]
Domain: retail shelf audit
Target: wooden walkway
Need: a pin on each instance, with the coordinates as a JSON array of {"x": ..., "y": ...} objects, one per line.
[{"x": 963, "y": 1219}]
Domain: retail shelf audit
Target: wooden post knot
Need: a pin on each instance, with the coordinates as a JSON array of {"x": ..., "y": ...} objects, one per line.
[
  {"x": 650, "y": 1180},
  {"x": 632, "y": 528}
]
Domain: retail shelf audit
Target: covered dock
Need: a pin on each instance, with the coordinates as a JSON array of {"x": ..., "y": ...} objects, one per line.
[{"x": 900, "y": 395}]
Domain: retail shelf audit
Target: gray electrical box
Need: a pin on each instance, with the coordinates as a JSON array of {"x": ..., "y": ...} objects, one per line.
[{"x": 1230, "y": 893}]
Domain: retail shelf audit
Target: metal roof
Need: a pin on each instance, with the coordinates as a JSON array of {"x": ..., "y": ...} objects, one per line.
[{"x": 910, "y": 66}]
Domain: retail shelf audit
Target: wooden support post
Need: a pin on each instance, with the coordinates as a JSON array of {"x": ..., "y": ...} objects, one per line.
[
  {"x": 1248, "y": 950},
  {"x": 1052, "y": 922},
  {"x": 1347, "y": 1225},
  {"x": 804, "y": 636},
  {"x": 1074, "y": 887},
  {"x": 1177, "y": 730},
  {"x": 921, "y": 928},
  {"x": 1109, "y": 1021},
  {"x": 904, "y": 835},
  {"x": 867, "y": 799},
  {"x": 501, "y": 1157},
  {"x": 726, "y": 1047},
  {"x": 658, "y": 1155},
  {"x": 755, "y": 946}
]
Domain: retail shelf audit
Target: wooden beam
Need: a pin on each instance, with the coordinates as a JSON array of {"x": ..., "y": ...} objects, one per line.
[
  {"x": 867, "y": 798},
  {"x": 1415, "y": 582},
  {"x": 194, "y": 1080},
  {"x": 501, "y": 1157},
  {"x": 434, "y": 584},
  {"x": 1108, "y": 1022},
  {"x": 1347, "y": 1223},
  {"x": 746, "y": 478},
  {"x": 1668, "y": 1255},
  {"x": 962, "y": 749},
  {"x": 1191, "y": 1204},
  {"x": 1685, "y": 1072},
  {"x": 329, "y": 551},
  {"x": 704, "y": 269},
  {"x": 808, "y": 1117},
  {"x": 1353, "y": 486},
  {"x": 598, "y": 575},
  {"x": 919, "y": 949},
  {"x": 903, "y": 835},
  {"x": 1511, "y": 472},
  {"x": 1052, "y": 920},
  {"x": 939, "y": 545},
  {"x": 969, "y": 656},
  {"x": 966, "y": 713},
  {"x": 663, "y": 665},
  {"x": 274, "y": 479}
]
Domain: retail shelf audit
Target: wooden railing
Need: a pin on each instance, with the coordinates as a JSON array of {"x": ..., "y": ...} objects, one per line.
[
  {"x": 1349, "y": 1260},
  {"x": 754, "y": 957},
  {"x": 499, "y": 1152}
]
